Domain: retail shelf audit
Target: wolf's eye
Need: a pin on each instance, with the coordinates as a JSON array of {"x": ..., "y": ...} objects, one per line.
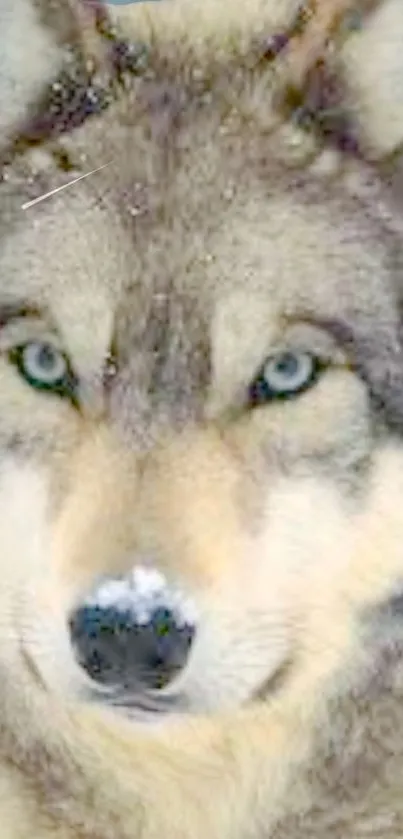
[
  {"x": 44, "y": 367},
  {"x": 284, "y": 375}
]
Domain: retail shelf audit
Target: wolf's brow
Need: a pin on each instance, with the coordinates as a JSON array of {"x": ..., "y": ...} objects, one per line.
[{"x": 17, "y": 309}]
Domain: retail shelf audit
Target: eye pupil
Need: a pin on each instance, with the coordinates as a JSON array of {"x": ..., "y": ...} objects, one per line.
[
  {"x": 46, "y": 357},
  {"x": 287, "y": 364}
]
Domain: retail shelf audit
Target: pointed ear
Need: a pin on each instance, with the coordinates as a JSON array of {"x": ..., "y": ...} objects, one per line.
[
  {"x": 30, "y": 59},
  {"x": 371, "y": 66},
  {"x": 316, "y": 26},
  {"x": 59, "y": 64},
  {"x": 343, "y": 66}
]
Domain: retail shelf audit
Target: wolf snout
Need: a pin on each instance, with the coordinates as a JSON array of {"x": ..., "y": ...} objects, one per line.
[{"x": 134, "y": 633}]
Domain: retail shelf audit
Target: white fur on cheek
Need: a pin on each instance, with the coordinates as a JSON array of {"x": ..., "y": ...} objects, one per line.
[
  {"x": 23, "y": 505},
  {"x": 23, "y": 502},
  {"x": 252, "y": 625},
  {"x": 31, "y": 606}
]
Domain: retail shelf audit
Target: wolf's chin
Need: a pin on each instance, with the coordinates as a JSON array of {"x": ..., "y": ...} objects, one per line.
[{"x": 156, "y": 706}]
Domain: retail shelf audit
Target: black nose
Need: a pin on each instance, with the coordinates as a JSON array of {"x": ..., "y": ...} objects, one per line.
[{"x": 132, "y": 638}]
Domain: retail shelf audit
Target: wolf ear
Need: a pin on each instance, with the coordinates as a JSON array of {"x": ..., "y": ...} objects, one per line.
[
  {"x": 59, "y": 65},
  {"x": 30, "y": 59},
  {"x": 371, "y": 66},
  {"x": 343, "y": 66}
]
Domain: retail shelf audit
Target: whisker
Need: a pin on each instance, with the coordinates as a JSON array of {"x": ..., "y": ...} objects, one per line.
[{"x": 37, "y": 200}]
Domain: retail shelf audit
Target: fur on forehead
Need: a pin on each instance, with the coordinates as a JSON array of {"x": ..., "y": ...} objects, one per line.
[{"x": 206, "y": 30}]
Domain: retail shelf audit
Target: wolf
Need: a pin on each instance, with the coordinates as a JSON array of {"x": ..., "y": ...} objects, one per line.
[{"x": 202, "y": 379}]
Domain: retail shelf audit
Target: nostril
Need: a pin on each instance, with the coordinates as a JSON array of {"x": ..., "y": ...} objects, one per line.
[
  {"x": 169, "y": 642},
  {"x": 132, "y": 634}
]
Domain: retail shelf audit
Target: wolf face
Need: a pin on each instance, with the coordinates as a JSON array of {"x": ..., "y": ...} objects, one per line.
[
  {"x": 202, "y": 348},
  {"x": 201, "y": 417}
]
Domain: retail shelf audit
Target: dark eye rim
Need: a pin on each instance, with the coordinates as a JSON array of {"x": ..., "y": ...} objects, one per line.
[
  {"x": 64, "y": 387},
  {"x": 260, "y": 393}
]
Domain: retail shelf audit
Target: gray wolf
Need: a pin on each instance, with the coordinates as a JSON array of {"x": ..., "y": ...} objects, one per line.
[{"x": 202, "y": 376}]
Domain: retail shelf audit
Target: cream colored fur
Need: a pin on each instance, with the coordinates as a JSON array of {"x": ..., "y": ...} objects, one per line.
[
  {"x": 30, "y": 58},
  {"x": 373, "y": 70},
  {"x": 198, "y": 253}
]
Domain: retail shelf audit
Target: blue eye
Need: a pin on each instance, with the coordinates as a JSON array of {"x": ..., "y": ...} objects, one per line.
[
  {"x": 44, "y": 367},
  {"x": 284, "y": 375}
]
